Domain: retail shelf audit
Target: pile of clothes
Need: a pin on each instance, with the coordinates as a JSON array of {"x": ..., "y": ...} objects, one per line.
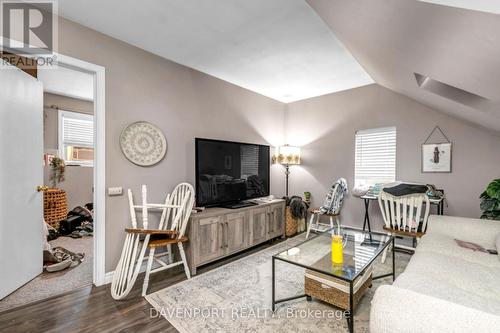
[
  {"x": 335, "y": 197},
  {"x": 58, "y": 259},
  {"x": 78, "y": 223},
  {"x": 298, "y": 210}
]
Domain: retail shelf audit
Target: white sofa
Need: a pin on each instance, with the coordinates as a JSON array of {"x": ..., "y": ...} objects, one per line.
[{"x": 445, "y": 288}]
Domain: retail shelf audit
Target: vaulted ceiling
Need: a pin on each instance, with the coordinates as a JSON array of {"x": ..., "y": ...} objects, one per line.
[
  {"x": 442, "y": 53},
  {"x": 278, "y": 48},
  {"x": 395, "y": 39}
]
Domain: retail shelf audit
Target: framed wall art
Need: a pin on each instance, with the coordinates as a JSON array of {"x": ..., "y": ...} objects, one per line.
[{"x": 436, "y": 157}]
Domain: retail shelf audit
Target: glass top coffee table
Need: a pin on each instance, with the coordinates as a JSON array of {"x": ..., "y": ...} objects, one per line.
[{"x": 360, "y": 250}]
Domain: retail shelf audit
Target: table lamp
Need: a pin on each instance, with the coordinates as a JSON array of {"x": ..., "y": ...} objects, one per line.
[{"x": 287, "y": 155}]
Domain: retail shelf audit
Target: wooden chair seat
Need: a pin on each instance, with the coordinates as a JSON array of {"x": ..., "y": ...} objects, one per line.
[
  {"x": 151, "y": 231},
  {"x": 404, "y": 232},
  {"x": 166, "y": 241},
  {"x": 316, "y": 225},
  {"x": 318, "y": 211}
]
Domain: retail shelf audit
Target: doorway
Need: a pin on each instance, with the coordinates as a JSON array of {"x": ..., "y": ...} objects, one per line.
[{"x": 83, "y": 183}]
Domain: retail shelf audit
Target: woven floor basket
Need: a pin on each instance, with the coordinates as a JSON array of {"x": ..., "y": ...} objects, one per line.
[
  {"x": 332, "y": 295},
  {"x": 55, "y": 206},
  {"x": 291, "y": 223}
]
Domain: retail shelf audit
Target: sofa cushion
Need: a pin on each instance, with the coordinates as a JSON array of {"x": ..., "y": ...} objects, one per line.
[
  {"x": 446, "y": 245},
  {"x": 397, "y": 310},
  {"x": 442, "y": 289},
  {"x": 454, "y": 273},
  {"x": 478, "y": 231}
]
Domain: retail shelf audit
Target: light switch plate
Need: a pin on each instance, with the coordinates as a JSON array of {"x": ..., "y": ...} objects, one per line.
[{"x": 112, "y": 191}]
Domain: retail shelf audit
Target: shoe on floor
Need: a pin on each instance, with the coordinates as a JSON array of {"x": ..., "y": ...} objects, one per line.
[{"x": 59, "y": 266}]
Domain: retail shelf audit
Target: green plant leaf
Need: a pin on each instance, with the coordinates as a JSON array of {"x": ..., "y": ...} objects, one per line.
[
  {"x": 493, "y": 189},
  {"x": 491, "y": 215},
  {"x": 484, "y": 195},
  {"x": 489, "y": 204}
]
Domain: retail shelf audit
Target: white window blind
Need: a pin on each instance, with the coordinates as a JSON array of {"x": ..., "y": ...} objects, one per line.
[
  {"x": 375, "y": 158},
  {"x": 76, "y": 133},
  {"x": 249, "y": 160}
]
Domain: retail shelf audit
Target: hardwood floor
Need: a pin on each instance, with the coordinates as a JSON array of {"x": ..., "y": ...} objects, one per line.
[{"x": 92, "y": 309}]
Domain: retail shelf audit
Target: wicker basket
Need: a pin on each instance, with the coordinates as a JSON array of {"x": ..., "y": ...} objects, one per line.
[
  {"x": 55, "y": 206},
  {"x": 323, "y": 287},
  {"x": 291, "y": 223}
]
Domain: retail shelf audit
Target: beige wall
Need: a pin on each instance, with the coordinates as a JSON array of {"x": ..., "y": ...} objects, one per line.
[
  {"x": 183, "y": 102},
  {"x": 78, "y": 182},
  {"x": 325, "y": 127}
]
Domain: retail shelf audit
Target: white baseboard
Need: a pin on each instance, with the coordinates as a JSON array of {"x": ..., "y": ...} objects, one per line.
[{"x": 108, "y": 277}]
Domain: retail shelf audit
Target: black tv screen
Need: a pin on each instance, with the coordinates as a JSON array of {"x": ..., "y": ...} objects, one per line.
[{"x": 229, "y": 172}]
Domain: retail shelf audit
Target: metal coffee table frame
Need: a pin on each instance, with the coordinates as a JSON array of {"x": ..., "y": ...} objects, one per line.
[{"x": 350, "y": 316}]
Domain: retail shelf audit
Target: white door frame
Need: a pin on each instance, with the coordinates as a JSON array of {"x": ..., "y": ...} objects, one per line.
[{"x": 99, "y": 267}]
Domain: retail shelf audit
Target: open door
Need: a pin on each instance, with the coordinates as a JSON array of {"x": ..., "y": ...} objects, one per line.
[{"x": 21, "y": 156}]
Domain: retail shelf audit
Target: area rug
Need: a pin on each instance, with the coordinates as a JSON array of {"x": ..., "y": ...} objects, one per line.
[{"x": 237, "y": 298}]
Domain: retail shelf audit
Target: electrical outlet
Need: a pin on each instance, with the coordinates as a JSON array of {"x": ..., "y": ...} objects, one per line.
[{"x": 112, "y": 191}]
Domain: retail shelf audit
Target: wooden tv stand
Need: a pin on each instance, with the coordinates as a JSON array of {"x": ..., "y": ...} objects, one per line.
[{"x": 219, "y": 232}]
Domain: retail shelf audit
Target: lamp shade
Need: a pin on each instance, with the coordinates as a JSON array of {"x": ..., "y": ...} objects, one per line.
[{"x": 287, "y": 155}]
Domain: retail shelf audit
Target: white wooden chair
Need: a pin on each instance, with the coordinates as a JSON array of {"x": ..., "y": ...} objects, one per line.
[
  {"x": 403, "y": 216},
  {"x": 315, "y": 221},
  {"x": 334, "y": 202},
  {"x": 174, "y": 218},
  {"x": 175, "y": 214}
]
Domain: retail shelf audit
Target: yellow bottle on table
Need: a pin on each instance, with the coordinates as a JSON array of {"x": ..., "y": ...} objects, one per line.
[{"x": 337, "y": 251}]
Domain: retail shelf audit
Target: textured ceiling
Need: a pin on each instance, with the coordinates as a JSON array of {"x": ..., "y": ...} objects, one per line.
[
  {"x": 280, "y": 48},
  {"x": 394, "y": 39}
]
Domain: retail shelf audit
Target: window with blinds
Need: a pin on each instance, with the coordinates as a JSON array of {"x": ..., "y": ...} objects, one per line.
[
  {"x": 375, "y": 158},
  {"x": 249, "y": 160},
  {"x": 76, "y": 138}
]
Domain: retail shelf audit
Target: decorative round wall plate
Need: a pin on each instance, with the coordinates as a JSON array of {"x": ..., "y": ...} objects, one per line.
[{"x": 143, "y": 143}]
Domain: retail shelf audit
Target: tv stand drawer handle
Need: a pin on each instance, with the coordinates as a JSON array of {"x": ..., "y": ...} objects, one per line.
[
  {"x": 227, "y": 235},
  {"x": 271, "y": 229},
  {"x": 222, "y": 235}
]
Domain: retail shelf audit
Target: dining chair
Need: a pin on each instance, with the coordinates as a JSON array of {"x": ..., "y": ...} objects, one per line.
[
  {"x": 175, "y": 215},
  {"x": 174, "y": 218},
  {"x": 405, "y": 216},
  {"x": 331, "y": 207}
]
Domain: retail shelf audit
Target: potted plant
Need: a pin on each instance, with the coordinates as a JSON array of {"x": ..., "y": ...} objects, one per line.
[
  {"x": 307, "y": 197},
  {"x": 490, "y": 201},
  {"x": 55, "y": 203},
  {"x": 57, "y": 168}
]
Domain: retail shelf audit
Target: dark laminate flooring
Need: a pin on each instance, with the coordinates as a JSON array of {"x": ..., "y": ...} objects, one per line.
[{"x": 92, "y": 309}]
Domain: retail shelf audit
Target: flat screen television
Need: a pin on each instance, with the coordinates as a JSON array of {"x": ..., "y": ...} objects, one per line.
[{"x": 230, "y": 172}]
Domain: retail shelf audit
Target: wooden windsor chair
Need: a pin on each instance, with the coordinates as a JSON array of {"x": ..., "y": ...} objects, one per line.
[
  {"x": 404, "y": 216},
  {"x": 176, "y": 211}
]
